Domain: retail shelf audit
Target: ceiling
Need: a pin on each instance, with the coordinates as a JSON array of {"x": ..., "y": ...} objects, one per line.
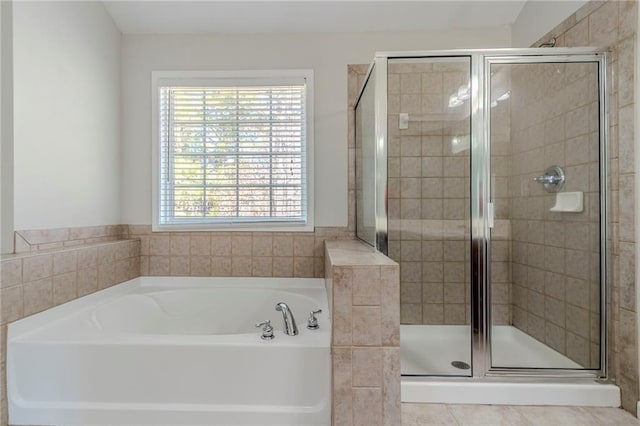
[{"x": 267, "y": 16}]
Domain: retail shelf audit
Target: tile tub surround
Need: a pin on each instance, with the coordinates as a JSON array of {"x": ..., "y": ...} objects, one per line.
[
  {"x": 239, "y": 254},
  {"x": 34, "y": 281},
  {"x": 613, "y": 25},
  {"x": 364, "y": 298}
]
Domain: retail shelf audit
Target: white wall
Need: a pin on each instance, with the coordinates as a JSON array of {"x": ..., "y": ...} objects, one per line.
[
  {"x": 327, "y": 54},
  {"x": 67, "y": 115},
  {"x": 539, "y": 17},
  {"x": 6, "y": 128}
]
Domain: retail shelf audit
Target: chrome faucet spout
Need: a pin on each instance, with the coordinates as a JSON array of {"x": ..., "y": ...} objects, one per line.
[{"x": 290, "y": 327}]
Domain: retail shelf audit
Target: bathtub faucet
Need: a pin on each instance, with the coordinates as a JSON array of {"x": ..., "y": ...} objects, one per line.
[{"x": 290, "y": 327}]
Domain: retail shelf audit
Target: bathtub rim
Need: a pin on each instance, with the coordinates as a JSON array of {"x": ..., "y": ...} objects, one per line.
[{"x": 23, "y": 329}]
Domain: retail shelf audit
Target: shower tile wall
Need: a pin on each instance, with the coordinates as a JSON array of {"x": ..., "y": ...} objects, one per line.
[
  {"x": 428, "y": 196},
  {"x": 613, "y": 25},
  {"x": 556, "y": 255}
]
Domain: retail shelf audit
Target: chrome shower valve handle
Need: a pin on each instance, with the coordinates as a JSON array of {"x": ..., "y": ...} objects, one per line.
[{"x": 552, "y": 179}]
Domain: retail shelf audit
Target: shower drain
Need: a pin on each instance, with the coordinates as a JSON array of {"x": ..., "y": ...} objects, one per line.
[{"x": 461, "y": 365}]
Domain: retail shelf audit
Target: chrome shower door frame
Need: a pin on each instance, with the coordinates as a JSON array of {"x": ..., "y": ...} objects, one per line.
[
  {"x": 483, "y": 367},
  {"x": 480, "y": 182}
]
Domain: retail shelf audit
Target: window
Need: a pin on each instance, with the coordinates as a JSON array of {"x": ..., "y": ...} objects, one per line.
[{"x": 233, "y": 150}]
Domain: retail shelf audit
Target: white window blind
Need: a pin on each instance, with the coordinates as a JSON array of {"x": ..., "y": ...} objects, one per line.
[{"x": 232, "y": 154}]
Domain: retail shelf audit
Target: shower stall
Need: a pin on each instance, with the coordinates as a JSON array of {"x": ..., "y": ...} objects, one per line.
[{"x": 483, "y": 173}]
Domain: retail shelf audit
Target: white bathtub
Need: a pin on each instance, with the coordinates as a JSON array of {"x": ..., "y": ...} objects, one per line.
[{"x": 173, "y": 351}]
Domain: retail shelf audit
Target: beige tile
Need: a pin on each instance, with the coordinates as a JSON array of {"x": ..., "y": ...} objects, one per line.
[
  {"x": 342, "y": 308},
  {"x": 410, "y": 293},
  {"x": 410, "y": 313},
  {"x": 366, "y": 286},
  {"x": 11, "y": 272},
  {"x": 200, "y": 245},
  {"x": 240, "y": 245},
  {"x": 37, "y": 267},
  {"x": 241, "y": 266},
  {"x": 556, "y": 416},
  {"x": 159, "y": 265},
  {"x": 107, "y": 253},
  {"x": 180, "y": 266},
  {"x": 366, "y": 326},
  {"x": 106, "y": 275},
  {"x": 64, "y": 287},
  {"x": 87, "y": 281},
  {"x": 433, "y": 313},
  {"x": 454, "y": 313},
  {"x": 144, "y": 265},
  {"x": 367, "y": 407},
  {"x": 391, "y": 415},
  {"x": 12, "y": 304},
  {"x": 66, "y": 261},
  {"x": 303, "y": 267},
  {"x": 262, "y": 266},
  {"x": 262, "y": 245},
  {"x": 390, "y": 306},
  {"x": 431, "y": 293},
  {"x": 38, "y": 296},
  {"x": 487, "y": 415},
  {"x": 180, "y": 245},
  {"x": 627, "y": 25},
  {"x": 122, "y": 250},
  {"x": 367, "y": 367},
  {"x": 427, "y": 415},
  {"x": 87, "y": 257},
  {"x": 282, "y": 245},
  {"x": 200, "y": 265},
  {"x": 220, "y": 244},
  {"x": 342, "y": 397},
  {"x": 282, "y": 266},
  {"x": 303, "y": 245},
  {"x": 318, "y": 267},
  {"x": 603, "y": 25},
  {"x": 220, "y": 266},
  {"x": 577, "y": 348},
  {"x": 612, "y": 416},
  {"x": 454, "y": 292},
  {"x": 159, "y": 245}
]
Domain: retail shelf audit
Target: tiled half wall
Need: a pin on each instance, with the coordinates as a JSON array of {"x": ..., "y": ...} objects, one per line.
[{"x": 363, "y": 289}]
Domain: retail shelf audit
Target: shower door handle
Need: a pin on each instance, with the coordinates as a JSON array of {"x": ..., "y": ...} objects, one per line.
[{"x": 490, "y": 214}]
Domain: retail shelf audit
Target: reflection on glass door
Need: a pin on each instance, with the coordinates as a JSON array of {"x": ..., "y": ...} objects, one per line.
[
  {"x": 428, "y": 210},
  {"x": 545, "y": 245}
]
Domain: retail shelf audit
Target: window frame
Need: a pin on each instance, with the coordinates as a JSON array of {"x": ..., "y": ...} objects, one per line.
[{"x": 230, "y": 78}]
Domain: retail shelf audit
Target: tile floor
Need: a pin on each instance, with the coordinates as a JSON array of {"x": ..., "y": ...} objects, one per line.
[{"x": 494, "y": 415}]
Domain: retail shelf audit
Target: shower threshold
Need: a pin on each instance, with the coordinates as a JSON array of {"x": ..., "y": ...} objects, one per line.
[{"x": 428, "y": 350}]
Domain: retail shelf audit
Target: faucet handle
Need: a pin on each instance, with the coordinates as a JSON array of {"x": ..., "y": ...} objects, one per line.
[
  {"x": 312, "y": 322},
  {"x": 267, "y": 330}
]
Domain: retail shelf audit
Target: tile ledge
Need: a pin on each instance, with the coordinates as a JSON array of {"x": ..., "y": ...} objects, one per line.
[
  {"x": 13, "y": 256},
  {"x": 355, "y": 253}
]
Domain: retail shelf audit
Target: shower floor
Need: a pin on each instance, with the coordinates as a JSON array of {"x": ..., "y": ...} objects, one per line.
[{"x": 430, "y": 350}]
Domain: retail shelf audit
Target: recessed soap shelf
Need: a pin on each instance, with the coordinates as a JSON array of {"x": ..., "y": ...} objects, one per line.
[{"x": 569, "y": 202}]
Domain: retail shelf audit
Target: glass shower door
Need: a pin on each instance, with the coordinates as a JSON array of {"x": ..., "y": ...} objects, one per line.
[
  {"x": 428, "y": 130},
  {"x": 546, "y": 178}
]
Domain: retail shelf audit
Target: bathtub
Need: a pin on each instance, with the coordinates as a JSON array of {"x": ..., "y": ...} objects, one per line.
[{"x": 173, "y": 351}]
